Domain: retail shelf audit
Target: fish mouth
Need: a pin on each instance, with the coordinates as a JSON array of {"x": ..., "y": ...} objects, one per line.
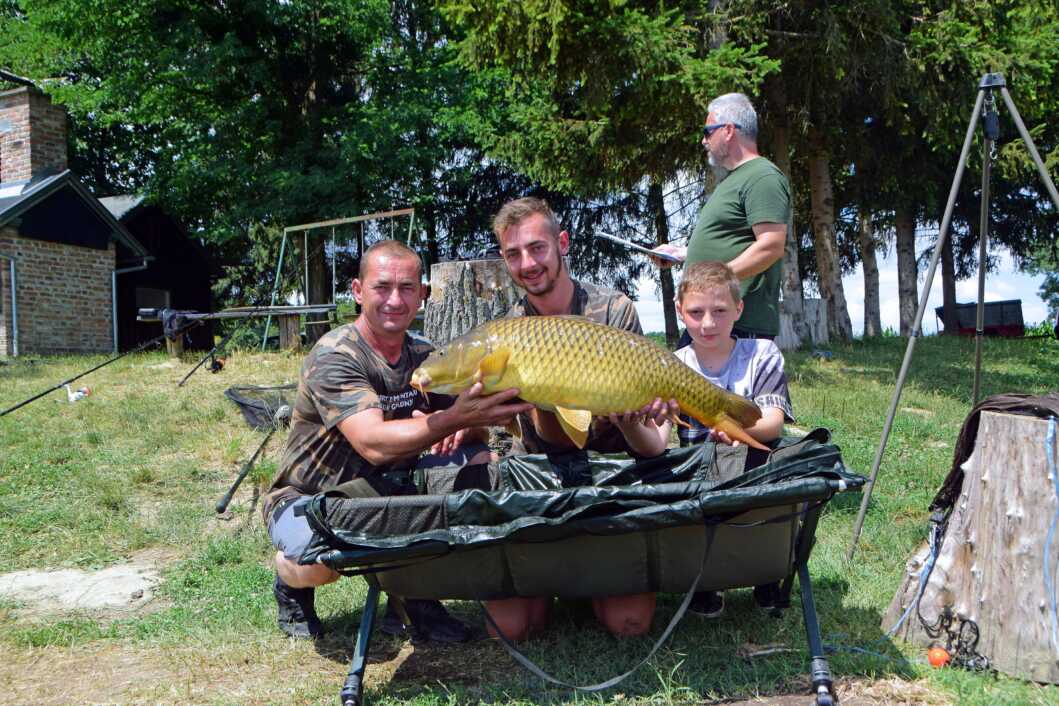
[{"x": 420, "y": 380}]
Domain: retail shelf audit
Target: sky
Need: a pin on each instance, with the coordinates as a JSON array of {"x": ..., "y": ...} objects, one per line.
[{"x": 1006, "y": 283}]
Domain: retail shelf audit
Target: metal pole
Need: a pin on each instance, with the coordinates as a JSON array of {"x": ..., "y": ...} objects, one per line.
[
  {"x": 114, "y": 297},
  {"x": 1048, "y": 184},
  {"x": 991, "y": 128},
  {"x": 945, "y": 221},
  {"x": 275, "y": 287},
  {"x": 14, "y": 303},
  {"x": 305, "y": 259}
]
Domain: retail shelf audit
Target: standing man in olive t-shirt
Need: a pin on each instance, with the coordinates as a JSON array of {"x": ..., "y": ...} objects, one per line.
[{"x": 745, "y": 222}]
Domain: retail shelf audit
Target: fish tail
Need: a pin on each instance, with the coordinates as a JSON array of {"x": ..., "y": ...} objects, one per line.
[{"x": 737, "y": 433}]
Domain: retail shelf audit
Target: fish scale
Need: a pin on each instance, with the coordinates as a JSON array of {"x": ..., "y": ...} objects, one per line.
[{"x": 571, "y": 362}]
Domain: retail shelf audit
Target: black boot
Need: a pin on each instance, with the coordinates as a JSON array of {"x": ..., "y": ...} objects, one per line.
[
  {"x": 296, "y": 615},
  {"x": 430, "y": 621},
  {"x": 708, "y": 604}
]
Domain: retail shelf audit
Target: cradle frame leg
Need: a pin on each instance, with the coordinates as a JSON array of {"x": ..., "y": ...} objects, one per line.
[
  {"x": 820, "y": 670},
  {"x": 351, "y": 694}
]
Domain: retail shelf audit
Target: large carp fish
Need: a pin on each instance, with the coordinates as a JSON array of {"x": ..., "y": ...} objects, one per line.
[{"x": 578, "y": 368}]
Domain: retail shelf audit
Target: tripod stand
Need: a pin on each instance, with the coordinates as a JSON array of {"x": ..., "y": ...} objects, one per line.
[{"x": 988, "y": 87}]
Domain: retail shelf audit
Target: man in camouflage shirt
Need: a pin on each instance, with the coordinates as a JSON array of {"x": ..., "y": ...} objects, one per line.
[
  {"x": 358, "y": 427},
  {"x": 533, "y": 245}
]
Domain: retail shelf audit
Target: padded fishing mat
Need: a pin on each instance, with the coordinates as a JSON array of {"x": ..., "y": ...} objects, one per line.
[{"x": 633, "y": 527}]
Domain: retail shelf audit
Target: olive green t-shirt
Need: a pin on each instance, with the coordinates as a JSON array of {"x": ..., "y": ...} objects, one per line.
[{"x": 754, "y": 192}]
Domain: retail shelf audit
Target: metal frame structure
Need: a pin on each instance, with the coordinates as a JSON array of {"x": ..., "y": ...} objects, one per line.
[
  {"x": 988, "y": 87},
  {"x": 304, "y": 229}
]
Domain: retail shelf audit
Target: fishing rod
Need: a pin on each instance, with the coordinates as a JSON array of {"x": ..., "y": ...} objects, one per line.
[
  {"x": 64, "y": 383},
  {"x": 282, "y": 416},
  {"x": 214, "y": 366},
  {"x": 263, "y": 303}
]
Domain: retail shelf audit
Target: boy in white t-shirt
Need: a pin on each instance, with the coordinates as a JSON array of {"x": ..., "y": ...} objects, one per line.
[{"x": 709, "y": 302}]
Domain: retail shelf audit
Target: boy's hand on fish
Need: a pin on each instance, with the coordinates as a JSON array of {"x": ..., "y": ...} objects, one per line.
[
  {"x": 657, "y": 411},
  {"x": 625, "y": 420},
  {"x": 661, "y": 411}
]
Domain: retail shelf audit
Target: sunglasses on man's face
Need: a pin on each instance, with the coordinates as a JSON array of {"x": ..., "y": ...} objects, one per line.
[{"x": 709, "y": 129}]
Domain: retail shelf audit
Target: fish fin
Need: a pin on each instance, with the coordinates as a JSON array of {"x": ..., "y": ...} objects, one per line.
[
  {"x": 675, "y": 419},
  {"x": 514, "y": 428},
  {"x": 735, "y": 432},
  {"x": 491, "y": 367},
  {"x": 575, "y": 422}
]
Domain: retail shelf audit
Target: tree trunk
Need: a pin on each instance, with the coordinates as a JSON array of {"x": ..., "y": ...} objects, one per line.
[
  {"x": 657, "y": 204},
  {"x": 990, "y": 563},
  {"x": 948, "y": 289},
  {"x": 866, "y": 243},
  {"x": 839, "y": 327},
  {"x": 907, "y": 272},
  {"x": 792, "y": 307},
  {"x": 464, "y": 295}
]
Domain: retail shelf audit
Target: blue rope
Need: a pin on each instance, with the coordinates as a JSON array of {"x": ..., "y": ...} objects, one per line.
[
  {"x": 923, "y": 576},
  {"x": 1049, "y": 576}
]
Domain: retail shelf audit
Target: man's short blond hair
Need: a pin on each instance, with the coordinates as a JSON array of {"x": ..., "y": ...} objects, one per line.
[
  {"x": 393, "y": 248},
  {"x": 514, "y": 212},
  {"x": 701, "y": 276}
]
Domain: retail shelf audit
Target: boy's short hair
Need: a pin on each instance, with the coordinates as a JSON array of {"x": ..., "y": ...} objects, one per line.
[
  {"x": 514, "y": 212},
  {"x": 700, "y": 276}
]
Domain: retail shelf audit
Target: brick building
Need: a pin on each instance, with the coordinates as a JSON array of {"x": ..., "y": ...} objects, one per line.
[{"x": 71, "y": 270}]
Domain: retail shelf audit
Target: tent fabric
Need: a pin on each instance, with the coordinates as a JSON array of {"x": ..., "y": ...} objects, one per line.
[{"x": 637, "y": 526}]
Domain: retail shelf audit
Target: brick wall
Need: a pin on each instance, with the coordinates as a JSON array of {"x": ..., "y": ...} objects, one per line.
[
  {"x": 63, "y": 297},
  {"x": 32, "y": 135}
]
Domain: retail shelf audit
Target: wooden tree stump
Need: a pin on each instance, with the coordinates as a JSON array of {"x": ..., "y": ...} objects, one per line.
[
  {"x": 290, "y": 335},
  {"x": 990, "y": 567},
  {"x": 175, "y": 346},
  {"x": 464, "y": 295}
]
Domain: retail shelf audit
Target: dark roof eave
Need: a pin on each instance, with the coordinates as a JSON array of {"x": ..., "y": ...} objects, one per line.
[{"x": 50, "y": 185}]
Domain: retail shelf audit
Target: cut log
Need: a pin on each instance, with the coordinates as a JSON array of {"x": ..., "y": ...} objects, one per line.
[
  {"x": 290, "y": 335},
  {"x": 990, "y": 566},
  {"x": 175, "y": 346},
  {"x": 464, "y": 295}
]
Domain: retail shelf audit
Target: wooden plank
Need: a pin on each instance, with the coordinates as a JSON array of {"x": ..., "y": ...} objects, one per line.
[{"x": 354, "y": 219}]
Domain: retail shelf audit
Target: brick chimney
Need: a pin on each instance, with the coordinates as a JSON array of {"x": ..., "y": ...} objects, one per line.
[{"x": 32, "y": 135}]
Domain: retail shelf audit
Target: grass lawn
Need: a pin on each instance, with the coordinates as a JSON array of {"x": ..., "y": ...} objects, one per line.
[{"x": 134, "y": 471}]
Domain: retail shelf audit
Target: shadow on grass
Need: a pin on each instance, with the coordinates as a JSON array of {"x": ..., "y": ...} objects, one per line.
[{"x": 743, "y": 654}]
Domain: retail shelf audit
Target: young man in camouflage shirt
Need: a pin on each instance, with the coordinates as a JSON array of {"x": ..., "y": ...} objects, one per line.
[
  {"x": 358, "y": 427},
  {"x": 533, "y": 245}
]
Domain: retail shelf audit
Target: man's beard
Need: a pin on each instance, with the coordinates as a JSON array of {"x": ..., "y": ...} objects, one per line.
[
  {"x": 549, "y": 282},
  {"x": 717, "y": 164}
]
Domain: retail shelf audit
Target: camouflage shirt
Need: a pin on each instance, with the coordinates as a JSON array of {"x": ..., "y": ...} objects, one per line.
[
  {"x": 603, "y": 306},
  {"x": 341, "y": 376}
]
